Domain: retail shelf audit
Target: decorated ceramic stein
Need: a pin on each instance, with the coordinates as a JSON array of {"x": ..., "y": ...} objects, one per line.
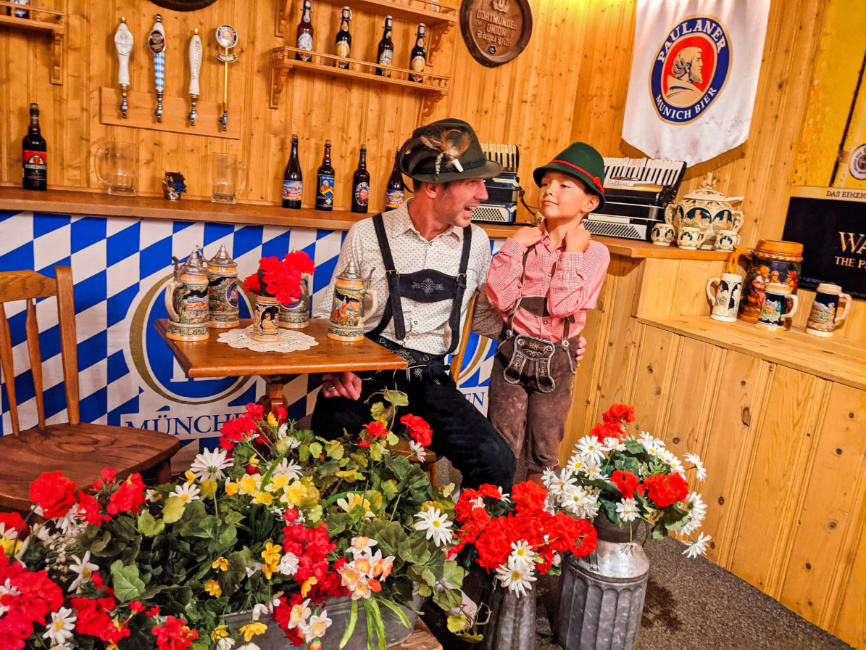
[
  {"x": 726, "y": 240},
  {"x": 774, "y": 309},
  {"x": 824, "y": 317},
  {"x": 727, "y": 298},
  {"x": 707, "y": 210},
  {"x": 296, "y": 315},
  {"x": 222, "y": 272},
  {"x": 769, "y": 261},
  {"x": 690, "y": 238},
  {"x": 348, "y": 313},
  {"x": 663, "y": 234},
  {"x": 186, "y": 300},
  {"x": 266, "y": 319}
]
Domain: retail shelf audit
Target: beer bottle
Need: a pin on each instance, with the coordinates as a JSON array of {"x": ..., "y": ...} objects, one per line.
[
  {"x": 305, "y": 34},
  {"x": 386, "y": 48},
  {"x": 361, "y": 184},
  {"x": 344, "y": 39},
  {"x": 325, "y": 182},
  {"x": 394, "y": 192},
  {"x": 35, "y": 158},
  {"x": 293, "y": 179},
  {"x": 418, "y": 58}
]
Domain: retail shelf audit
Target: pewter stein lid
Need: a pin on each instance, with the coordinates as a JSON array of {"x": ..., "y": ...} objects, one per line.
[
  {"x": 222, "y": 258},
  {"x": 351, "y": 273},
  {"x": 193, "y": 265}
]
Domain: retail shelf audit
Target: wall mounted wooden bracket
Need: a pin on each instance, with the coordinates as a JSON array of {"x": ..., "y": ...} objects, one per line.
[
  {"x": 434, "y": 87},
  {"x": 429, "y": 12},
  {"x": 175, "y": 111},
  {"x": 42, "y": 20}
]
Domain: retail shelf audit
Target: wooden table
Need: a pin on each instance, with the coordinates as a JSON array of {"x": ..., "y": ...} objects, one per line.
[{"x": 214, "y": 359}]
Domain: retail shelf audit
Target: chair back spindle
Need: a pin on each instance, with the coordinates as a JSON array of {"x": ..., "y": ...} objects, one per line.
[
  {"x": 8, "y": 368},
  {"x": 68, "y": 340},
  {"x": 32, "y": 329}
]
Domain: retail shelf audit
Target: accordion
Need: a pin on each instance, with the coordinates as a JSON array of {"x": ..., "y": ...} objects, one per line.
[
  {"x": 504, "y": 190},
  {"x": 636, "y": 191}
]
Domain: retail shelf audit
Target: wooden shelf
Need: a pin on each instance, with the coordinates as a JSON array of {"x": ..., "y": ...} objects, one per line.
[
  {"x": 434, "y": 87},
  {"x": 432, "y": 14},
  {"x": 835, "y": 359},
  {"x": 41, "y": 20}
]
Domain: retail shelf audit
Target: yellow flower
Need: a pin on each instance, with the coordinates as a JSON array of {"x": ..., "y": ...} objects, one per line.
[
  {"x": 209, "y": 488},
  {"x": 253, "y": 629},
  {"x": 219, "y": 633},
  {"x": 190, "y": 477},
  {"x": 308, "y": 584},
  {"x": 295, "y": 492},
  {"x": 7, "y": 544},
  {"x": 348, "y": 474},
  {"x": 220, "y": 563},
  {"x": 272, "y": 553},
  {"x": 353, "y": 500},
  {"x": 113, "y": 646},
  {"x": 254, "y": 461},
  {"x": 231, "y": 489},
  {"x": 250, "y": 484},
  {"x": 277, "y": 483},
  {"x": 213, "y": 588},
  {"x": 272, "y": 420},
  {"x": 264, "y": 497}
]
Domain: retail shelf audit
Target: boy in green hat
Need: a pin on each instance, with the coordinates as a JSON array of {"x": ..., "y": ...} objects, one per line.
[{"x": 543, "y": 280}]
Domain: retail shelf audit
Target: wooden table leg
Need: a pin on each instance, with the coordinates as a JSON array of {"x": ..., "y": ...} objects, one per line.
[{"x": 273, "y": 397}]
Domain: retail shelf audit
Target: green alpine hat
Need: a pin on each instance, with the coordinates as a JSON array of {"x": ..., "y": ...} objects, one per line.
[
  {"x": 581, "y": 161},
  {"x": 445, "y": 151}
]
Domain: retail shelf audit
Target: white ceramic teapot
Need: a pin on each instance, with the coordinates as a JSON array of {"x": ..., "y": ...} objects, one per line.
[{"x": 707, "y": 210}]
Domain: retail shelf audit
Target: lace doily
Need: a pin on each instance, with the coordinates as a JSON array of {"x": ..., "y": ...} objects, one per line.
[{"x": 289, "y": 341}]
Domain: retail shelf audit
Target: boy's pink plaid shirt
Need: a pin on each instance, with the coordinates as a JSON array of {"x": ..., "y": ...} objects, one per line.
[{"x": 570, "y": 281}]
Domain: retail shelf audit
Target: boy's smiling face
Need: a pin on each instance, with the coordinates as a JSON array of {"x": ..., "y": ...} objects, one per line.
[{"x": 564, "y": 197}]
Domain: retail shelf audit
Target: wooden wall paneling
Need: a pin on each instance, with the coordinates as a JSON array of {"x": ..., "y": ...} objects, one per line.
[
  {"x": 690, "y": 291},
  {"x": 849, "y": 623},
  {"x": 740, "y": 389},
  {"x": 657, "y": 294},
  {"x": 776, "y": 467},
  {"x": 652, "y": 380},
  {"x": 822, "y": 543}
]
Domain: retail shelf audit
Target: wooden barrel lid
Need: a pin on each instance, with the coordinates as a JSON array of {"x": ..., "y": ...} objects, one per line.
[{"x": 779, "y": 246}]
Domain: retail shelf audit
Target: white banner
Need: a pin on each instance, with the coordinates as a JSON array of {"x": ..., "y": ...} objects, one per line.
[{"x": 694, "y": 75}]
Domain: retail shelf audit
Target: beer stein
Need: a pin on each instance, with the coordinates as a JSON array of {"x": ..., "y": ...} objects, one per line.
[
  {"x": 266, "y": 319},
  {"x": 222, "y": 290},
  {"x": 769, "y": 261},
  {"x": 776, "y": 298},
  {"x": 296, "y": 315},
  {"x": 115, "y": 167},
  {"x": 186, "y": 300},
  {"x": 690, "y": 237},
  {"x": 348, "y": 311},
  {"x": 726, "y": 240},
  {"x": 225, "y": 170},
  {"x": 824, "y": 317},
  {"x": 663, "y": 234},
  {"x": 726, "y": 302}
]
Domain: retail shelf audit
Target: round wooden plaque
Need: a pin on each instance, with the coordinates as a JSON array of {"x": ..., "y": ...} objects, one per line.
[
  {"x": 495, "y": 31},
  {"x": 183, "y": 5}
]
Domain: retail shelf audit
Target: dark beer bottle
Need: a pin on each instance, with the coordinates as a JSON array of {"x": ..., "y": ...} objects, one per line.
[
  {"x": 386, "y": 48},
  {"x": 325, "y": 182},
  {"x": 395, "y": 190},
  {"x": 361, "y": 184},
  {"x": 418, "y": 58},
  {"x": 344, "y": 39},
  {"x": 293, "y": 179},
  {"x": 305, "y": 34},
  {"x": 35, "y": 158}
]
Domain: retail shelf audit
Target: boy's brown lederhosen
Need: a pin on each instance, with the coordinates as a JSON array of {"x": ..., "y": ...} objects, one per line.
[{"x": 531, "y": 386}]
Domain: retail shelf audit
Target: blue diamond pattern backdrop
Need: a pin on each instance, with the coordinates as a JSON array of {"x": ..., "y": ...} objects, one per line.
[{"x": 127, "y": 374}]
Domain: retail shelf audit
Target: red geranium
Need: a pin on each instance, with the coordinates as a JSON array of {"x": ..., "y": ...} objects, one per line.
[
  {"x": 376, "y": 429},
  {"x": 252, "y": 284},
  {"x": 418, "y": 429},
  {"x": 54, "y": 493},
  {"x": 33, "y": 595},
  {"x": 13, "y": 521},
  {"x": 174, "y": 635},
  {"x": 627, "y": 483},
  {"x": 666, "y": 489},
  {"x": 129, "y": 496},
  {"x": 301, "y": 261},
  {"x": 94, "y": 618},
  {"x": 610, "y": 429},
  {"x": 89, "y": 510},
  {"x": 529, "y": 497},
  {"x": 619, "y": 412}
]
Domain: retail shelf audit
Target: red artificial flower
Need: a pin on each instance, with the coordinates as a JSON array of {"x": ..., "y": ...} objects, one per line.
[
  {"x": 153, "y": 611},
  {"x": 619, "y": 412},
  {"x": 33, "y": 595},
  {"x": 94, "y": 619},
  {"x": 363, "y": 443},
  {"x": 588, "y": 539},
  {"x": 282, "y": 278},
  {"x": 13, "y": 521},
  {"x": 174, "y": 635},
  {"x": 136, "y": 607},
  {"x": 609, "y": 429},
  {"x": 108, "y": 475},
  {"x": 255, "y": 410},
  {"x": 89, "y": 510},
  {"x": 300, "y": 261},
  {"x": 54, "y": 493},
  {"x": 129, "y": 497},
  {"x": 487, "y": 490},
  {"x": 376, "y": 429},
  {"x": 529, "y": 497},
  {"x": 666, "y": 489},
  {"x": 418, "y": 429},
  {"x": 627, "y": 483},
  {"x": 282, "y": 414},
  {"x": 251, "y": 284}
]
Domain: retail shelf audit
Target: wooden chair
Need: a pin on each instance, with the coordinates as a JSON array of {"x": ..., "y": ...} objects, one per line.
[{"x": 77, "y": 449}]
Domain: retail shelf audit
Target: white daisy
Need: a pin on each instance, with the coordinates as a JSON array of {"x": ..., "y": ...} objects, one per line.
[
  {"x": 436, "y": 524},
  {"x": 627, "y": 509},
  {"x": 418, "y": 449},
  {"x": 695, "y": 460},
  {"x": 477, "y": 502},
  {"x": 696, "y": 503},
  {"x": 69, "y": 523},
  {"x": 289, "y": 441},
  {"x": 590, "y": 448},
  {"x": 61, "y": 626},
  {"x": 210, "y": 465},
  {"x": 575, "y": 463},
  {"x": 186, "y": 493},
  {"x": 674, "y": 463},
  {"x": 516, "y": 577},
  {"x": 522, "y": 553},
  {"x": 647, "y": 440},
  {"x": 582, "y": 503},
  {"x": 7, "y": 589},
  {"x": 591, "y": 469},
  {"x": 697, "y": 546},
  {"x": 560, "y": 484},
  {"x": 288, "y": 468},
  {"x": 83, "y": 569},
  {"x": 614, "y": 444}
]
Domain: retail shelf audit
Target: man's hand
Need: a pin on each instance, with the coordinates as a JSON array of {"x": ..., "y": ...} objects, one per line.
[
  {"x": 577, "y": 240},
  {"x": 344, "y": 384},
  {"x": 581, "y": 349},
  {"x": 528, "y": 236}
]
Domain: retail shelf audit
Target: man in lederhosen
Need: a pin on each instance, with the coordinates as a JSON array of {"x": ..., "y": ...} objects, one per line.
[{"x": 425, "y": 260}]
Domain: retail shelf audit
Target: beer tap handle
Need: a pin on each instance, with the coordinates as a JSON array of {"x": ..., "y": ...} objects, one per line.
[
  {"x": 156, "y": 41},
  {"x": 123, "y": 41},
  {"x": 195, "y": 56},
  {"x": 227, "y": 38}
]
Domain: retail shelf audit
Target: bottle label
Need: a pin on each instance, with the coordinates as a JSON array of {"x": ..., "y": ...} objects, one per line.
[
  {"x": 292, "y": 190},
  {"x": 325, "y": 190},
  {"x": 305, "y": 42},
  {"x": 343, "y": 49},
  {"x": 35, "y": 163},
  {"x": 362, "y": 194},
  {"x": 417, "y": 63},
  {"x": 393, "y": 199},
  {"x": 385, "y": 58}
]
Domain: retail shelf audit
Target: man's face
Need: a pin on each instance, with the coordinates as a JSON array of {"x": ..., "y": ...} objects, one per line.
[
  {"x": 454, "y": 205},
  {"x": 697, "y": 65}
]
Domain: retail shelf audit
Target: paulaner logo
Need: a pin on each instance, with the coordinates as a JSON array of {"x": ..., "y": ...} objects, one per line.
[{"x": 690, "y": 69}]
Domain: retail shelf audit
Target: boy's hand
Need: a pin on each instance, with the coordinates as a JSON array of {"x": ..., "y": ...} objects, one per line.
[
  {"x": 577, "y": 240},
  {"x": 528, "y": 236}
]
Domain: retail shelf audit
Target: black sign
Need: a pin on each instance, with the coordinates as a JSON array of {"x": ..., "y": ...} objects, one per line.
[{"x": 833, "y": 234}]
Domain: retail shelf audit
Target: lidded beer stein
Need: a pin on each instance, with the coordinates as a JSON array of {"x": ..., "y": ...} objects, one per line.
[
  {"x": 296, "y": 315},
  {"x": 347, "y": 311},
  {"x": 186, "y": 300},
  {"x": 769, "y": 261},
  {"x": 222, "y": 273}
]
